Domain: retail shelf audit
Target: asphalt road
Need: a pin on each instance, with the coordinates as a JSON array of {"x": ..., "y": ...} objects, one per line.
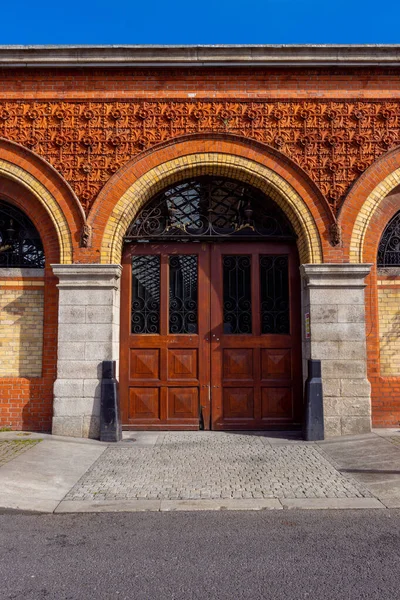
[{"x": 209, "y": 555}]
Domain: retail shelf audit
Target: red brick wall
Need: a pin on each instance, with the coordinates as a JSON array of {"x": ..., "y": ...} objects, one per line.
[
  {"x": 27, "y": 403},
  {"x": 206, "y": 83}
]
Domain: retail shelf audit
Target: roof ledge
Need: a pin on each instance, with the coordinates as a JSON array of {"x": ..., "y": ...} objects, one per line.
[{"x": 200, "y": 56}]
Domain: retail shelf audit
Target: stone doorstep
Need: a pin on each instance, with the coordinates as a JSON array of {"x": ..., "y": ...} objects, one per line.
[{"x": 82, "y": 506}]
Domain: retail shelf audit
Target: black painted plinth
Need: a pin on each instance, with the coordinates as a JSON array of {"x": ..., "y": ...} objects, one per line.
[
  {"x": 314, "y": 417},
  {"x": 110, "y": 419}
]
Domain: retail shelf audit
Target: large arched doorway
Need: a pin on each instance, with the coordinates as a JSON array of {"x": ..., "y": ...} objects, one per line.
[{"x": 210, "y": 311}]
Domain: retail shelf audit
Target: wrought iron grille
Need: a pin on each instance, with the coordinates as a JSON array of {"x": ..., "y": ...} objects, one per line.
[
  {"x": 208, "y": 207},
  {"x": 145, "y": 294},
  {"x": 20, "y": 243},
  {"x": 389, "y": 246},
  {"x": 274, "y": 283},
  {"x": 237, "y": 294},
  {"x": 183, "y": 294}
]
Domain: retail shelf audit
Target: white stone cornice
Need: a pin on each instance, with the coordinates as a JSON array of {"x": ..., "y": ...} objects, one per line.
[
  {"x": 307, "y": 55},
  {"x": 87, "y": 275},
  {"x": 346, "y": 275}
]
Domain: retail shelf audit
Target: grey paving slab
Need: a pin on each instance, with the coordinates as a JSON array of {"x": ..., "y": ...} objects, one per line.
[
  {"x": 39, "y": 479},
  {"x": 189, "y": 505},
  {"x": 331, "y": 503},
  {"x": 374, "y": 476},
  {"x": 16, "y": 435},
  {"x": 387, "y": 431},
  {"x": 391, "y": 502},
  {"x": 10, "y": 449},
  {"x": 80, "y": 506},
  {"x": 194, "y": 466},
  {"x": 141, "y": 438},
  {"x": 384, "y": 489},
  {"x": 372, "y": 460}
]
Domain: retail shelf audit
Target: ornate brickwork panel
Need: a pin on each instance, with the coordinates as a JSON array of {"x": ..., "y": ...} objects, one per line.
[{"x": 334, "y": 142}]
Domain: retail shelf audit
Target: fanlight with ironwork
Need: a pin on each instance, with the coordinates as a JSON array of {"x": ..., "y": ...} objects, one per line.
[
  {"x": 20, "y": 243},
  {"x": 210, "y": 207},
  {"x": 389, "y": 246}
]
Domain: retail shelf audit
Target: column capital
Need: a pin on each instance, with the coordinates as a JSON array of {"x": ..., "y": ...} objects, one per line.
[
  {"x": 346, "y": 275},
  {"x": 87, "y": 275}
]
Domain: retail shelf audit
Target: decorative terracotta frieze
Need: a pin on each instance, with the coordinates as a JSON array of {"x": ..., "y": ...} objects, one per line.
[{"x": 88, "y": 141}]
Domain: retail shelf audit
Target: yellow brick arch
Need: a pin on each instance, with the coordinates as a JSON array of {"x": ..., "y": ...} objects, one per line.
[
  {"x": 27, "y": 180},
  {"x": 246, "y": 170},
  {"x": 366, "y": 213}
]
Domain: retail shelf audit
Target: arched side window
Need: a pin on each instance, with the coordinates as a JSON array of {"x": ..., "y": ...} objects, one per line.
[
  {"x": 20, "y": 243},
  {"x": 389, "y": 246},
  {"x": 210, "y": 207}
]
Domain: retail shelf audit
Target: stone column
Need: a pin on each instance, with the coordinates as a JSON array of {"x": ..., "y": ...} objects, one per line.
[
  {"x": 333, "y": 295},
  {"x": 88, "y": 333}
]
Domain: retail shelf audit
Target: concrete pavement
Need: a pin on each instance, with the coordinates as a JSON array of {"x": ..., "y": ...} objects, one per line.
[
  {"x": 373, "y": 460},
  {"x": 39, "y": 479},
  {"x": 181, "y": 471}
]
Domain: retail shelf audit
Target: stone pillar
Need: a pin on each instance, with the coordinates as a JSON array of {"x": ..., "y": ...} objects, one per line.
[
  {"x": 88, "y": 333},
  {"x": 333, "y": 296}
]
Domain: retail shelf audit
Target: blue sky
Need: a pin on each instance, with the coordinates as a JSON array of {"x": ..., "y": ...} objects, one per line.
[{"x": 197, "y": 22}]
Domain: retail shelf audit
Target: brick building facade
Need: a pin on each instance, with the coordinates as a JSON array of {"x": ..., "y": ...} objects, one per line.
[{"x": 92, "y": 138}]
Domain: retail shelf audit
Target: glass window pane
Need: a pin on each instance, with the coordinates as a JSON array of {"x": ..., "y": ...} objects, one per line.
[
  {"x": 237, "y": 294},
  {"x": 183, "y": 294},
  {"x": 389, "y": 246},
  {"x": 20, "y": 243},
  {"x": 274, "y": 286},
  {"x": 145, "y": 313}
]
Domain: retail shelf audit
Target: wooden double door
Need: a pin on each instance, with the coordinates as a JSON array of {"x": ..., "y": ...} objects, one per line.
[{"x": 210, "y": 336}]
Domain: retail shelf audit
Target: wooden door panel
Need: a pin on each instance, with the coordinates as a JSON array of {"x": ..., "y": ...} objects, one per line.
[
  {"x": 277, "y": 403},
  {"x": 237, "y": 363},
  {"x": 183, "y": 403},
  {"x": 276, "y": 363},
  {"x": 182, "y": 363},
  {"x": 144, "y": 404},
  {"x": 165, "y": 358},
  {"x": 255, "y": 326},
  {"x": 238, "y": 404},
  {"x": 144, "y": 363}
]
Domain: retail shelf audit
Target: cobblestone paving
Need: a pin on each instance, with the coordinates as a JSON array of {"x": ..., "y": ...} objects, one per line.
[
  {"x": 10, "y": 449},
  {"x": 197, "y": 465}
]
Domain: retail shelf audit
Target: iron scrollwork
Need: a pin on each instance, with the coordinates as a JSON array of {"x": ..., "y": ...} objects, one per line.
[
  {"x": 210, "y": 207},
  {"x": 20, "y": 243}
]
